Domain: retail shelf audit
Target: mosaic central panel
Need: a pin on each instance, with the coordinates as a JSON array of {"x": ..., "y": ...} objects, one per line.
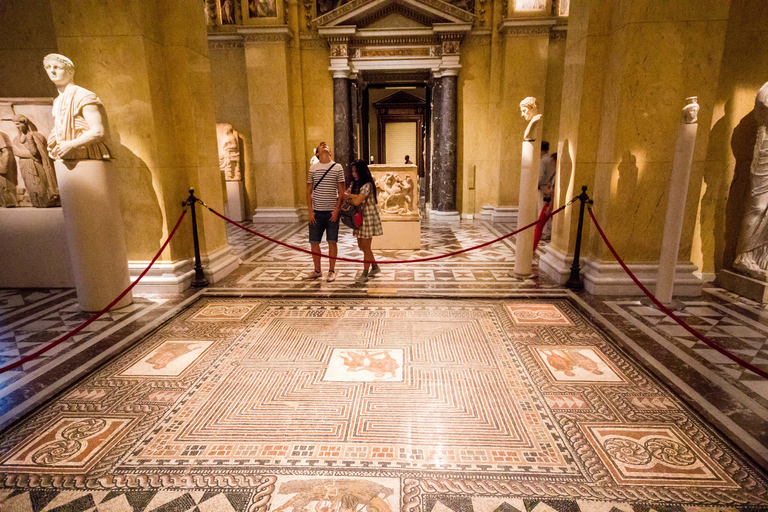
[{"x": 334, "y": 404}]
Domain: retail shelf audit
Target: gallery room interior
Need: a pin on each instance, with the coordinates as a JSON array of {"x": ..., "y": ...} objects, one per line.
[{"x": 384, "y": 255}]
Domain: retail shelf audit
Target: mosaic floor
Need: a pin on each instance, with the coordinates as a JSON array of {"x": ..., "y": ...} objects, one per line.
[
  {"x": 381, "y": 404},
  {"x": 275, "y": 270}
]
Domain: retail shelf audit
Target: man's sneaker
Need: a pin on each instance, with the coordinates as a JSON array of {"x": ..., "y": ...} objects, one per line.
[
  {"x": 331, "y": 276},
  {"x": 362, "y": 278},
  {"x": 315, "y": 274},
  {"x": 375, "y": 270}
]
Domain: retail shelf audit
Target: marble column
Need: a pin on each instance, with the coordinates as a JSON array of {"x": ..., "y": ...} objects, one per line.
[
  {"x": 342, "y": 124},
  {"x": 436, "y": 138},
  {"x": 444, "y": 179},
  {"x": 354, "y": 119}
]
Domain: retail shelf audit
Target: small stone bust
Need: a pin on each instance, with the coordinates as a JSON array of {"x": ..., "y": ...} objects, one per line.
[
  {"x": 530, "y": 111},
  {"x": 80, "y": 128},
  {"x": 691, "y": 110}
]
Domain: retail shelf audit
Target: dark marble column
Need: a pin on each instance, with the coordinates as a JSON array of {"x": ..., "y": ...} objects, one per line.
[
  {"x": 436, "y": 138},
  {"x": 354, "y": 96},
  {"x": 342, "y": 125},
  {"x": 444, "y": 179}
]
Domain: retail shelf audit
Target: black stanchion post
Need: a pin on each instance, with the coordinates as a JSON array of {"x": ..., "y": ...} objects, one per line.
[
  {"x": 574, "y": 281},
  {"x": 200, "y": 281}
]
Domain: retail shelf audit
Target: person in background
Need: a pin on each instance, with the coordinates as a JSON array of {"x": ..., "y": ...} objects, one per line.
[
  {"x": 325, "y": 187},
  {"x": 407, "y": 160},
  {"x": 363, "y": 191},
  {"x": 547, "y": 168},
  {"x": 314, "y": 159}
]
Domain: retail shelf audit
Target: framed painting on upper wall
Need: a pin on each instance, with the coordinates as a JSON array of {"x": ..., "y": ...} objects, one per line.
[
  {"x": 263, "y": 12},
  {"x": 526, "y": 8}
]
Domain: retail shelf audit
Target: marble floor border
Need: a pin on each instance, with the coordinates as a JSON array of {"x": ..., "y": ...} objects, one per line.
[
  {"x": 41, "y": 396},
  {"x": 752, "y": 447}
]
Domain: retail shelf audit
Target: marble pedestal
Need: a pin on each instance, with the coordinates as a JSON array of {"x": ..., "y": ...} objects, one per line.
[
  {"x": 94, "y": 231},
  {"x": 235, "y": 207},
  {"x": 398, "y": 195},
  {"x": 745, "y": 286}
]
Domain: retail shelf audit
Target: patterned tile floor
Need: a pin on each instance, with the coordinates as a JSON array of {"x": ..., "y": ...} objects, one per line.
[
  {"x": 729, "y": 399},
  {"x": 417, "y": 404}
]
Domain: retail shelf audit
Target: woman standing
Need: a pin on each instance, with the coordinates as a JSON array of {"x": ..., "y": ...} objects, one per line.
[{"x": 363, "y": 191}]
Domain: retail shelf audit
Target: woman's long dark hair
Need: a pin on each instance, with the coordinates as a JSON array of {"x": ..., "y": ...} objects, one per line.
[{"x": 363, "y": 177}]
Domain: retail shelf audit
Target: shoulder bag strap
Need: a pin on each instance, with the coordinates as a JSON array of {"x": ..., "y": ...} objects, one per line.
[{"x": 324, "y": 175}]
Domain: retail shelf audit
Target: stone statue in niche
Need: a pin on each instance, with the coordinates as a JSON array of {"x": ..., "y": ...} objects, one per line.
[
  {"x": 752, "y": 250},
  {"x": 80, "y": 130},
  {"x": 229, "y": 151},
  {"x": 691, "y": 110},
  {"x": 530, "y": 111},
  {"x": 262, "y": 8},
  {"x": 35, "y": 165},
  {"x": 8, "y": 173},
  {"x": 227, "y": 12},
  {"x": 395, "y": 194}
]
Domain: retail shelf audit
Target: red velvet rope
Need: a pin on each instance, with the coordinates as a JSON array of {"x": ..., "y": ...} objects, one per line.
[
  {"x": 431, "y": 258},
  {"x": 100, "y": 313},
  {"x": 670, "y": 313}
]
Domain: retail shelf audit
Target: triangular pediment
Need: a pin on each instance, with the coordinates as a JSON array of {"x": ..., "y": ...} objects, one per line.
[
  {"x": 400, "y": 98},
  {"x": 388, "y": 14}
]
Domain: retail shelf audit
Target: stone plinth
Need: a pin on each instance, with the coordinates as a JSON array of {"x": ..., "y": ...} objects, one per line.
[
  {"x": 397, "y": 187},
  {"x": 235, "y": 207},
  {"x": 748, "y": 287},
  {"x": 94, "y": 232},
  {"x": 33, "y": 250}
]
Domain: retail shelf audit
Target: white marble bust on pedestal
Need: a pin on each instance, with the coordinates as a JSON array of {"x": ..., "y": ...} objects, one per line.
[{"x": 530, "y": 111}]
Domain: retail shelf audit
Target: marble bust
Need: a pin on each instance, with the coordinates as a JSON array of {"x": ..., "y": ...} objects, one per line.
[
  {"x": 691, "y": 110},
  {"x": 530, "y": 111},
  {"x": 80, "y": 128},
  {"x": 752, "y": 250}
]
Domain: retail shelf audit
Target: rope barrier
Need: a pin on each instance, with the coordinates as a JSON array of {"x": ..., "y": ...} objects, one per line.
[
  {"x": 100, "y": 313},
  {"x": 670, "y": 313},
  {"x": 385, "y": 262}
]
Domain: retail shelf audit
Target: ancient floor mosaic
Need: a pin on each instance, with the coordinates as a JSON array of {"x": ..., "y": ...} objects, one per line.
[{"x": 328, "y": 405}]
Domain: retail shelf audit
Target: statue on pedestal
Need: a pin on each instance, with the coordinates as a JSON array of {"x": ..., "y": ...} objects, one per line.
[
  {"x": 229, "y": 151},
  {"x": 691, "y": 110},
  {"x": 35, "y": 165},
  {"x": 8, "y": 173},
  {"x": 752, "y": 250},
  {"x": 79, "y": 144},
  {"x": 530, "y": 111}
]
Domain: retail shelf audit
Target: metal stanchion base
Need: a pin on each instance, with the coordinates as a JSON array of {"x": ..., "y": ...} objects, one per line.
[{"x": 675, "y": 305}]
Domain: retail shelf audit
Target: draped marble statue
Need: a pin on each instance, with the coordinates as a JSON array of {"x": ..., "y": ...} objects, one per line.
[
  {"x": 229, "y": 151},
  {"x": 752, "y": 250},
  {"x": 8, "y": 173},
  {"x": 80, "y": 146},
  {"x": 35, "y": 165}
]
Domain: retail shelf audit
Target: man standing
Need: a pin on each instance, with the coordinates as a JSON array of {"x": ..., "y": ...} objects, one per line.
[
  {"x": 547, "y": 170},
  {"x": 325, "y": 188}
]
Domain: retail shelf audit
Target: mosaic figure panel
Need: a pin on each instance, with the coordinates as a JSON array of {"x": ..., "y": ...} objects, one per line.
[{"x": 374, "y": 405}]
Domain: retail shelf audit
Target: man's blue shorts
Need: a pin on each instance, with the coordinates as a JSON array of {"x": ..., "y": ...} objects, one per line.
[{"x": 323, "y": 224}]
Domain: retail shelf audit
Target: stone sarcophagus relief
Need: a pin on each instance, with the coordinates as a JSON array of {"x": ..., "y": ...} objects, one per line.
[{"x": 397, "y": 189}]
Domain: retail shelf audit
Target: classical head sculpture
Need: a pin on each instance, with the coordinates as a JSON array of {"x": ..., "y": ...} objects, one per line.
[
  {"x": 528, "y": 108},
  {"x": 691, "y": 110},
  {"x": 80, "y": 131},
  {"x": 761, "y": 106}
]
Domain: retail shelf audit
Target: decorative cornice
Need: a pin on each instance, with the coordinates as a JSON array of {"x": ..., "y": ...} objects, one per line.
[
  {"x": 279, "y": 34},
  {"x": 214, "y": 44},
  {"x": 527, "y": 27},
  {"x": 395, "y": 40}
]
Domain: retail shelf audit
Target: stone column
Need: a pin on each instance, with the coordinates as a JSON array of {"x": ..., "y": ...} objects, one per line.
[
  {"x": 342, "y": 122},
  {"x": 444, "y": 179},
  {"x": 269, "y": 97},
  {"x": 436, "y": 136},
  {"x": 355, "y": 119}
]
